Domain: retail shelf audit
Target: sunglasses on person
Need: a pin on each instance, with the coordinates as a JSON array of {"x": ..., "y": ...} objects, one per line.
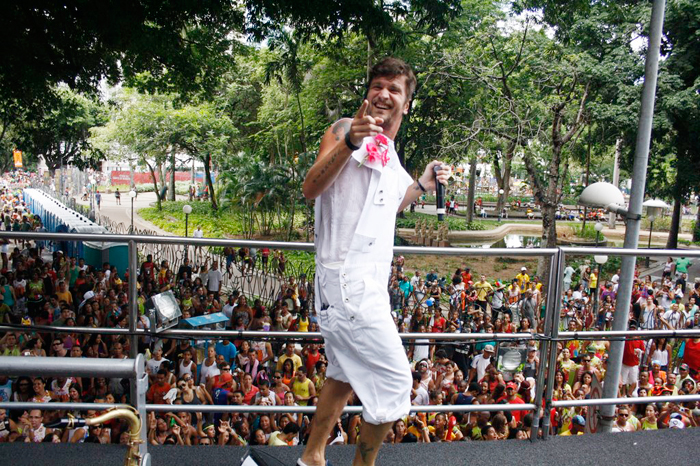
[
  {"x": 623, "y": 415},
  {"x": 225, "y": 368},
  {"x": 187, "y": 379}
]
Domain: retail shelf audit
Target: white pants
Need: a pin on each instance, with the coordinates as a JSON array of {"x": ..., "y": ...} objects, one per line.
[
  {"x": 362, "y": 344},
  {"x": 629, "y": 375}
]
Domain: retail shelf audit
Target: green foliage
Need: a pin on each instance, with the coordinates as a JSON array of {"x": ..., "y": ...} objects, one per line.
[
  {"x": 664, "y": 224},
  {"x": 60, "y": 131},
  {"x": 588, "y": 232},
  {"x": 410, "y": 219},
  {"x": 215, "y": 224}
]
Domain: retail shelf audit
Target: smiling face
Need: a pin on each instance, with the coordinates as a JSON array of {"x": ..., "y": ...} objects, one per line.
[{"x": 388, "y": 99}]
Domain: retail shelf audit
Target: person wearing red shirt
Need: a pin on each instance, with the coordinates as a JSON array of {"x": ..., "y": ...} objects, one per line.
[
  {"x": 691, "y": 356},
  {"x": 512, "y": 398},
  {"x": 629, "y": 375},
  {"x": 158, "y": 390}
]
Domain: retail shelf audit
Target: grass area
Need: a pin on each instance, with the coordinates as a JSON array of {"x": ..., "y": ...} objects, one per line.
[{"x": 224, "y": 223}]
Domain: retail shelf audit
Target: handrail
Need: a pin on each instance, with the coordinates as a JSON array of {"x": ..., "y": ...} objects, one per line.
[
  {"x": 347, "y": 409},
  {"x": 620, "y": 401},
  {"x": 79, "y": 367},
  {"x": 60, "y": 406}
]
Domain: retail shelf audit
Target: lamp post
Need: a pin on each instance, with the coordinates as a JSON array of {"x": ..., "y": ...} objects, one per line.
[
  {"x": 187, "y": 209},
  {"x": 132, "y": 195},
  {"x": 92, "y": 197},
  {"x": 598, "y": 228},
  {"x": 654, "y": 208}
]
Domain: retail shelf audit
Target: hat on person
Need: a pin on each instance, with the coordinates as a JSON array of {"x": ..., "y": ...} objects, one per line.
[
  {"x": 89, "y": 295},
  {"x": 512, "y": 385},
  {"x": 429, "y": 302},
  {"x": 578, "y": 419},
  {"x": 224, "y": 378},
  {"x": 656, "y": 362},
  {"x": 499, "y": 285},
  {"x": 591, "y": 349},
  {"x": 489, "y": 349},
  {"x": 677, "y": 416},
  {"x": 532, "y": 348},
  {"x": 522, "y": 269},
  {"x": 676, "y": 424},
  {"x": 208, "y": 425},
  {"x": 684, "y": 367},
  {"x": 633, "y": 324}
]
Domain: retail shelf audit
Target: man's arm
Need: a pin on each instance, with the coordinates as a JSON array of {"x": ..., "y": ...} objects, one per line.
[
  {"x": 427, "y": 180},
  {"x": 334, "y": 152}
]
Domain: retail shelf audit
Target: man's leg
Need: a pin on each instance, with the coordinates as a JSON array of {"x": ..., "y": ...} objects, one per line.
[
  {"x": 371, "y": 438},
  {"x": 330, "y": 405}
]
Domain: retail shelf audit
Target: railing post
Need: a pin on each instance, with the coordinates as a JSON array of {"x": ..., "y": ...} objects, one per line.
[
  {"x": 554, "y": 333},
  {"x": 139, "y": 389},
  {"x": 133, "y": 303},
  {"x": 551, "y": 310}
]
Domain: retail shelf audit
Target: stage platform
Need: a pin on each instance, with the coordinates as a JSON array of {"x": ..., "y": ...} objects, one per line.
[{"x": 678, "y": 447}]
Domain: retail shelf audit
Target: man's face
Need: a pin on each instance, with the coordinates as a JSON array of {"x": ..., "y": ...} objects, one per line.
[
  {"x": 35, "y": 418},
  {"x": 388, "y": 98},
  {"x": 160, "y": 378},
  {"x": 670, "y": 379}
]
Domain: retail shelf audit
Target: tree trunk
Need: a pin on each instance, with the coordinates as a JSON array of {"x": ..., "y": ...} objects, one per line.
[
  {"x": 302, "y": 136},
  {"x": 472, "y": 188},
  {"x": 207, "y": 176},
  {"x": 503, "y": 176},
  {"x": 155, "y": 185},
  {"x": 172, "y": 176},
  {"x": 672, "y": 242}
]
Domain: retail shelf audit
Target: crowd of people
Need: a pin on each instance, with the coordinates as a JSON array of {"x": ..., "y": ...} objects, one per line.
[{"x": 41, "y": 287}]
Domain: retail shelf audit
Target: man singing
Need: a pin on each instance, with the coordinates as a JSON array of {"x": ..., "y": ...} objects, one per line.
[{"x": 359, "y": 186}]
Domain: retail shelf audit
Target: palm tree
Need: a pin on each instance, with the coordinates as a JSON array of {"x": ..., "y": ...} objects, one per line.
[{"x": 290, "y": 68}]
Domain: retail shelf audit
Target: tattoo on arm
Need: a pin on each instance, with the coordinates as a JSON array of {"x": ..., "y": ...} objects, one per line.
[
  {"x": 365, "y": 450},
  {"x": 340, "y": 128},
  {"x": 327, "y": 166}
]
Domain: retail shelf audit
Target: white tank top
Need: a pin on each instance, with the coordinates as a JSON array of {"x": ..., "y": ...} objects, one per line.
[
  {"x": 185, "y": 370},
  {"x": 347, "y": 194}
]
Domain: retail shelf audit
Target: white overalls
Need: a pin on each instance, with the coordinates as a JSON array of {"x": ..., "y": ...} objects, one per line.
[{"x": 352, "y": 301}]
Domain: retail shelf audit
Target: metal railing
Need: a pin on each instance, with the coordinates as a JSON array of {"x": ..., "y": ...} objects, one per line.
[{"x": 543, "y": 398}]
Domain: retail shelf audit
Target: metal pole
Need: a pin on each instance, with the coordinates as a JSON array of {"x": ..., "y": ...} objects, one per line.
[
  {"x": 552, "y": 364},
  {"x": 133, "y": 303},
  {"x": 651, "y": 229},
  {"x": 132, "y": 215},
  {"x": 639, "y": 175},
  {"x": 187, "y": 248},
  {"x": 551, "y": 309}
]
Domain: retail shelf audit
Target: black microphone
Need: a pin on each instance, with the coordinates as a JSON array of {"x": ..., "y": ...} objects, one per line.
[
  {"x": 439, "y": 196},
  {"x": 70, "y": 422}
]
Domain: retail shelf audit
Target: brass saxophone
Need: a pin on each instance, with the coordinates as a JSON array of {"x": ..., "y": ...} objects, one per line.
[{"x": 133, "y": 456}]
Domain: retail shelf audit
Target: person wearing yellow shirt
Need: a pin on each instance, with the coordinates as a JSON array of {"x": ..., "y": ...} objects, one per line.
[
  {"x": 302, "y": 387},
  {"x": 289, "y": 354},
  {"x": 523, "y": 279},
  {"x": 578, "y": 425},
  {"x": 483, "y": 290}
]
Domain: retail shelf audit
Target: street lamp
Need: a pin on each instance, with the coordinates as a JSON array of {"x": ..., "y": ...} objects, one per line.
[
  {"x": 654, "y": 209},
  {"x": 132, "y": 195},
  {"x": 187, "y": 209},
  {"x": 92, "y": 197},
  {"x": 606, "y": 196},
  {"x": 598, "y": 228}
]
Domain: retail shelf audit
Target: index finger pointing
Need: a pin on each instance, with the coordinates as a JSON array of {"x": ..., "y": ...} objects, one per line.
[{"x": 363, "y": 109}]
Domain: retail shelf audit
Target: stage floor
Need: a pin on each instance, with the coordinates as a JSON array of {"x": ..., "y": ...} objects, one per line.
[{"x": 678, "y": 447}]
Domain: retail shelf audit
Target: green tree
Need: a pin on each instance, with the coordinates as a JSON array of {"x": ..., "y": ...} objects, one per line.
[{"x": 60, "y": 134}]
